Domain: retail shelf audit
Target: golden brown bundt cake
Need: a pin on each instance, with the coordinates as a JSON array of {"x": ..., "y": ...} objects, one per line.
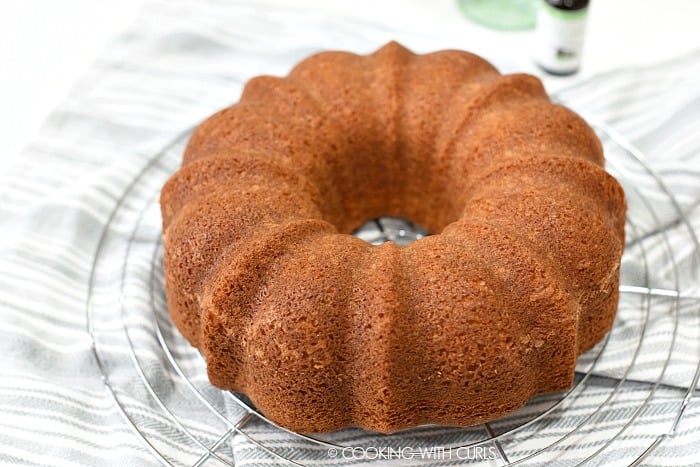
[{"x": 322, "y": 330}]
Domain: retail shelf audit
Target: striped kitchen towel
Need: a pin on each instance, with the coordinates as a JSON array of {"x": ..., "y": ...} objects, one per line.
[{"x": 93, "y": 372}]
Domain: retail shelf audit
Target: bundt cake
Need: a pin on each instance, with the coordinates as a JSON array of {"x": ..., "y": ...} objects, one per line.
[{"x": 322, "y": 330}]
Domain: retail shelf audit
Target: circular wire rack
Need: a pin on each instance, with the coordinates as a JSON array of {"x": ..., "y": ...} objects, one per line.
[{"x": 159, "y": 383}]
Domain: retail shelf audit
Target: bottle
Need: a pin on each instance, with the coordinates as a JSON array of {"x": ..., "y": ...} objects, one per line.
[
  {"x": 504, "y": 15},
  {"x": 561, "y": 25}
]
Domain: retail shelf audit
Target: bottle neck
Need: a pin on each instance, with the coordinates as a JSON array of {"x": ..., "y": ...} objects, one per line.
[{"x": 568, "y": 5}]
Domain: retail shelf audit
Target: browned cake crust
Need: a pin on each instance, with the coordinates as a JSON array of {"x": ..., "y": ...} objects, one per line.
[{"x": 322, "y": 330}]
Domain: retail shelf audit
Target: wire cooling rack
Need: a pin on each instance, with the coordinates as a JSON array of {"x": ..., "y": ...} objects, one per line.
[{"x": 629, "y": 392}]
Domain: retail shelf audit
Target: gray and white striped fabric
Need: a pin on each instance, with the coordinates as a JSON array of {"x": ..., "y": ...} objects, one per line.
[{"x": 70, "y": 206}]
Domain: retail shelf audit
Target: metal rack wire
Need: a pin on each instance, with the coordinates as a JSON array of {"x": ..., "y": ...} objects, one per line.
[{"x": 159, "y": 382}]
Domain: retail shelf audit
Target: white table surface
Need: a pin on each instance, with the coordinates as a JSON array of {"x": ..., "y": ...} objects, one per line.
[{"x": 46, "y": 45}]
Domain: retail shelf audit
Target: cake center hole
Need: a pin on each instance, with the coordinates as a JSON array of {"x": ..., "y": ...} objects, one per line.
[{"x": 390, "y": 229}]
